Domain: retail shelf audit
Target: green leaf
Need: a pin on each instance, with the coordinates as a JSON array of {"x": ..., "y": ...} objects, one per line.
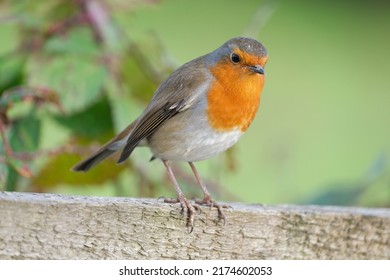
[
  {"x": 24, "y": 137},
  {"x": 9, "y": 37},
  {"x": 78, "y": 81},
  {"x": 12, "y": 180},
  {"x": 40, "y": 15},
  {"x": 57, "y": 171},
  {"x": 144, "y": 65},
  {"x": 94, "y": 122},
  {"x": 11, "y": 71},
  {"x": 77, "y": 41},
  {"x": 24, "y": 134},
  {"x": 136, "y": 79}
]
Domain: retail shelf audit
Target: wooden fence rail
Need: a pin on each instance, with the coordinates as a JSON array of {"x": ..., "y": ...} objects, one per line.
[{"x": 48, "y": 226}]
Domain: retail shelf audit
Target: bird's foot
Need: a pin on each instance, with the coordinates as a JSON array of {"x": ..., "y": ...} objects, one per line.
[
  {"x": 208, "y": 201},
  {"x": 186, "y": 207}
]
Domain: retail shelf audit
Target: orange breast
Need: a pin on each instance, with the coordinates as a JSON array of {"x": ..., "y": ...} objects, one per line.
[{"x": 233, "y": 98}]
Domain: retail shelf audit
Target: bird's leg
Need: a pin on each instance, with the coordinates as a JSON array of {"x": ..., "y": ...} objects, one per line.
[
  {"x": 207, "y": 200},
  {"x": 184, "y": 202}
]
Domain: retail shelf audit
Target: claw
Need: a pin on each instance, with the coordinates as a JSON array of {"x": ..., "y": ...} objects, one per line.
[
  {"x": 186, "y": 207},
  {"x": 208, "y": 201}
]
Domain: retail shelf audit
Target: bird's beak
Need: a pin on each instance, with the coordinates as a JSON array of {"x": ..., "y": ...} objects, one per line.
[{"x": 257, "y": 69}]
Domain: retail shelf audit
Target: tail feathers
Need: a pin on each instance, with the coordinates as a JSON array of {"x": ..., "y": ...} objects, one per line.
[
  {"x": 90, "y": 162},
  {"x": 108, "y": 149},
  {"x": 125, "y": 154}
]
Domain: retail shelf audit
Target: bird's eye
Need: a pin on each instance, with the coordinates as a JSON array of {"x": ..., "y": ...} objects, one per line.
[{"x": 235, "y": 58}]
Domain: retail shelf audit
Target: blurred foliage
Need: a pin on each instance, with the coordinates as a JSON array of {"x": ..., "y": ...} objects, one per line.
[
  {"x": 69, "y": 54},
  {"x": 366, "y": 190},
  {"x": 74, "y": 73}
]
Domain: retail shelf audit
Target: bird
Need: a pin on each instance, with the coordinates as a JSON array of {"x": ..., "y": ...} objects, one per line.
[{"x": 198, "y": 112}]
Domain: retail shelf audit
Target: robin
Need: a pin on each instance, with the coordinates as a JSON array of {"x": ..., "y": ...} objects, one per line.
[{"x": 199, "y": 111}]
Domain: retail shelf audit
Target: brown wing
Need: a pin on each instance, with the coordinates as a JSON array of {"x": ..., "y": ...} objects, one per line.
[
  {"x": 178, "y": 93},
  {"x": 147, "y": 126}
]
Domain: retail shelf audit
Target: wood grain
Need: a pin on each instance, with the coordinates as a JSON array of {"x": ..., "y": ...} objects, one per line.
[{"x": 49, "y": 226}]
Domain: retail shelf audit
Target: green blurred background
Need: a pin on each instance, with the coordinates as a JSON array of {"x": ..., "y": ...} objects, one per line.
[{"x": 321, "y": 136}]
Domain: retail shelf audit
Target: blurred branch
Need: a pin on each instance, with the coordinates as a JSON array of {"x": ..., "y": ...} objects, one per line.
[
  {"x": 7, "y": 147},
  {"x": 63, "y": 26},
  {"x": 261, "y": 17},
  {"x": 101, "y": 23},
  {"x": 37, "y": 95}
]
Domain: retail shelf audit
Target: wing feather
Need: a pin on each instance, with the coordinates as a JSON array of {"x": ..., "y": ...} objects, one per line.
[
  {"x": 147, "y": 127},
  {"x": 178, "y": 93}
]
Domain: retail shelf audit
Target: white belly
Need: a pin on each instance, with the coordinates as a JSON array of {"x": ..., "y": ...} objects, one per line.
[{"x": 190, "y": 140}]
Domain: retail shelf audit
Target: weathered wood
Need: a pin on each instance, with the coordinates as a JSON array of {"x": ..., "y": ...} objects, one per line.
[{"x": 48, "y": 226}]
